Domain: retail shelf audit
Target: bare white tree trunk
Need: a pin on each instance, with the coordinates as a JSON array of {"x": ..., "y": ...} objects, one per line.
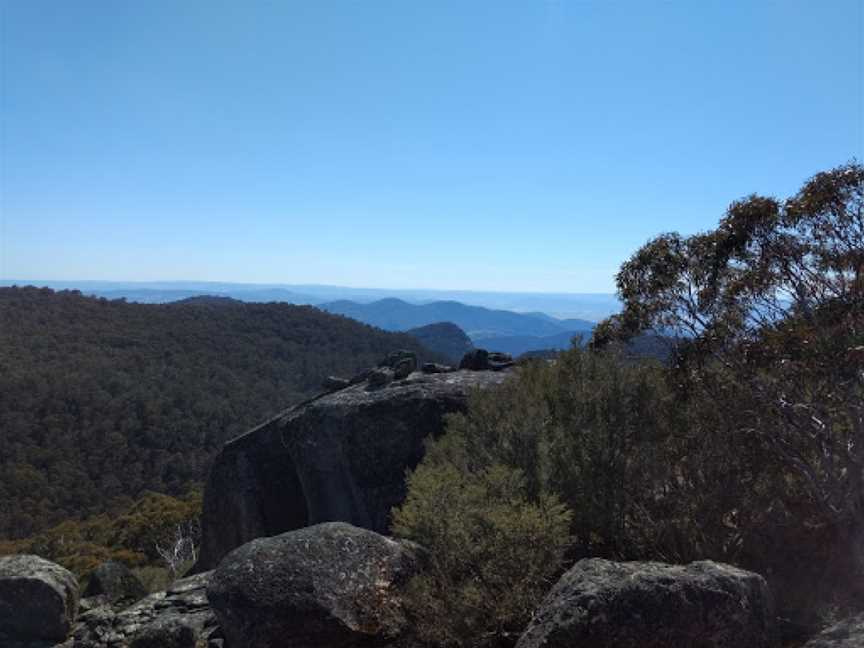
[{"x": 182, "y": 548}]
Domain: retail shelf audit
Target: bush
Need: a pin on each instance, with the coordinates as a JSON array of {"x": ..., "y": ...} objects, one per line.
[
  {"x": 131, "y": 538},
  {"x": 591, "y": 428},
  {"x": 493, "y": 552}
]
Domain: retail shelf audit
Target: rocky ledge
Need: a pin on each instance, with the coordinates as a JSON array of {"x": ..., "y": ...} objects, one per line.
[
  {"x": 341, "y": 456},
  {"x": 179, "y": 617}
]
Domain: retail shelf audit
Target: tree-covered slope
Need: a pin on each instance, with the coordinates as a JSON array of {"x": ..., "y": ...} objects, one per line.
[
  {"x": 101, "y": 400},
  {"x": 445, "y": 338}
]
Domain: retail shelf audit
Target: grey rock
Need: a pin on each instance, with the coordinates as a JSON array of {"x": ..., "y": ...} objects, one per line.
[
  {"x": 114, "y": 583},
  {"x": 342, "y": 456},
  {"x": 380, "y": 377},
  {"x": 434, "y": 368},
  {"x": 328, "y": 585},
  {"x": 92, "y": 602},
  {"x": 174, "y": 615},
  {"x": 848, "y": 633},
  {"x": 404, "y": 368},
  {"x": 604, "y": 604},
  {"x": 332, "y": 383},
  {"x": 38, "y": 599},
  {"x": 395, "y": 358},
  {"x": 361, "y": 376},
  {"x": 167, "y": 632},
  {"x": 499, "y": 360},
  {"x": 483, "y": 360}
]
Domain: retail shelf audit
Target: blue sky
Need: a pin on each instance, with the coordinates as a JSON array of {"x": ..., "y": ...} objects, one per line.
[{"x": 472, "y": 145}]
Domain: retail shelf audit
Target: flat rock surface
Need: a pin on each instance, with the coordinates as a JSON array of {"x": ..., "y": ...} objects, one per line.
[
  {"x": 166, "y": 618},
  {"x": 115, "y": 583}
]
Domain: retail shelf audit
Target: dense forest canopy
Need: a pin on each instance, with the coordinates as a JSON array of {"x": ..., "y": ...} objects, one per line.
[{"x": 102, "y": 400}]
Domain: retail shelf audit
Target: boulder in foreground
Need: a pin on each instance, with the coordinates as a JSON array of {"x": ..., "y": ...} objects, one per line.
[
  {"x": 604, "y": 604},
  {"x": 848, "y": 633},
  {"x": 38, "y": 599},
  {"x": 331, "y": 585}
]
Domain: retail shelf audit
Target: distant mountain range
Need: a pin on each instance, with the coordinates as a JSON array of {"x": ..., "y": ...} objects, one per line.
[
  {"x": 511, "y": 322},
  {"x": 478, "y": 322},
  {"x": 496, "y": 330},
  {"x": 585, "y": 306}
]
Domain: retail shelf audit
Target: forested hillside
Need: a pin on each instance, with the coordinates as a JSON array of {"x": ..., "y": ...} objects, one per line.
[
  {"x": 444, "y": 337},
  {"x": 101, "y": 400}
]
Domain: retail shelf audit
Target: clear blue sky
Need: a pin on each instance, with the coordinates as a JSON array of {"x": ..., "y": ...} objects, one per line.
[{"x": 528, "y": 145}]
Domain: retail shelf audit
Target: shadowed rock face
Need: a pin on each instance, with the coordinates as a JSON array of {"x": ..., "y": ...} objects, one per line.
[
  {"x": 342, "y": 456},
  {"x": 115, "y": 583},
  {"x": 38, "y": 599}
]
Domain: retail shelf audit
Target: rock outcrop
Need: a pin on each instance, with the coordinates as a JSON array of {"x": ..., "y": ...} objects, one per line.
[
  {"x": 38, "y": 600},
  {"x": 334, "y": 383},
  {"x": 114, "y": 583},
  {"x": 402, "y": 362},
  {"x": 483, "y": 360},
  {"x": 604, "y": 604},
  {"x": 327, "y": 585},
  {"x": 179, "y": 617},
  {"x": 341, "y": 456},
  {"x": 848, "y": 633},
  {"x": 435, "y": 367}
]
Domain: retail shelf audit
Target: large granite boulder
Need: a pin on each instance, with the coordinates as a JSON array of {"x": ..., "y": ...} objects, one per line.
[
  {"x": 331, "y": 585},
  {"x": 38, "y": 600},
  {"x": 341, "y": 456},
  {"x": 114, "y": 583},
  {"x": 848, "y": 633},
  {"x": 179, "y": 617},
  {"x": 604, "y": 604}
]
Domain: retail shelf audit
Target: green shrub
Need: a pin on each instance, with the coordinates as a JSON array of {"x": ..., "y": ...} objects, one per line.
[
  {"x": 591, "y": 428},
  {"x": 129, "y": 538},
  {"x": 493, "y": 552}
]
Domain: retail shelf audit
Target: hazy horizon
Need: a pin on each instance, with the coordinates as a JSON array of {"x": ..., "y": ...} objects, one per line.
[
  {"x": 590, "y": 306},
  {"x": 43, "y": 281}
]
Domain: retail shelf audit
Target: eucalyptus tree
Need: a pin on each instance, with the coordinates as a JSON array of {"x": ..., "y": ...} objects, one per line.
[{"x": 773, "y": 300}]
